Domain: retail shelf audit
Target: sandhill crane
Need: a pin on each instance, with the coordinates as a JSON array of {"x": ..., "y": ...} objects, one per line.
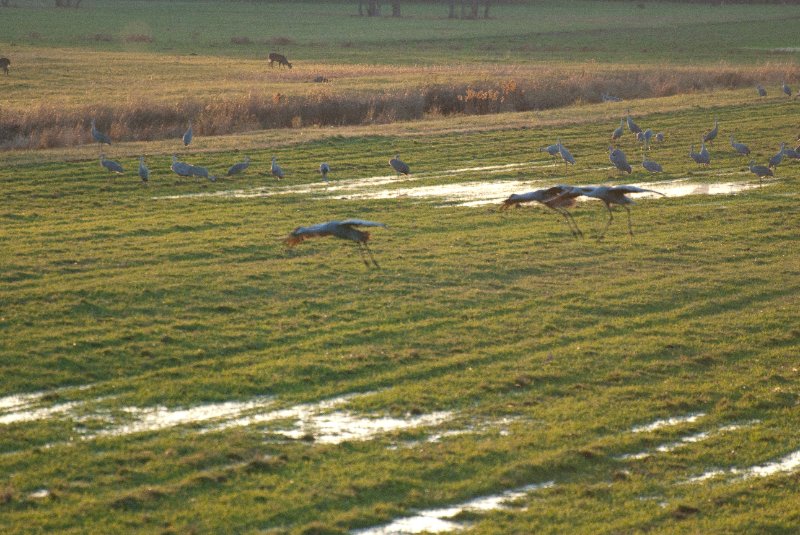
[
  {"x": 144, "y": 172},
  {"x": 399, "y": 165},
  {"x": 558, "y": 198},
  {"x": 111, "y": 165},
  {"x": 187, "y": 136},
  {"x": 340, "y": 229},
  {"x": 702, "y": 157},
  {"x": 614, "y": 195},
  {"x": 99, "y": 136},
  {"x": 760, "y": 171},
  {"x": 237, "y": 168},
  {"x": 787, "y": 89},
  {"x": 633, "y": 127},
  {"x": 180, "y": 168},
  {"x": 619, "y": 160},
  {"x": 776, "y": 160},
  {"x": 566, "y": 156},
  {"x": 276, "y": 170},
  {"x": 552, "y": 150},
  {"x": 196, "y": 170},
  {"x": 660, "y": 137},
  {"x": 324, "y": 169},
  {"x": 792, "y": 153},
  {"x": 651, "y": 166},
  {"x": 711, "y": 135},
  {"x": 761, "y": 91},
  {"x": 609, "y": 98},
  {"x": 618, "y": 131},
  {"x": 645, "y": 137},
  {"x": 741, "y": 148}
]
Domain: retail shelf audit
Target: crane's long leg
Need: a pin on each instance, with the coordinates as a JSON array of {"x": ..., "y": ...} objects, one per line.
[
  {"x": 361, "y": 252},
  {"x": 565, "y": 214},
  {"x": 630, "y": 227},
  {"x": 366, "y": 247},
  {"x": 608, "y": 223},
  {"x": 570, "y": 218}
]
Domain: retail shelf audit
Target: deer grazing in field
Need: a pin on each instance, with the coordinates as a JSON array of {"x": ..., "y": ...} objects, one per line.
[
  {"x": 279, "y": 58},
  {"x": 4, "y": 63}
]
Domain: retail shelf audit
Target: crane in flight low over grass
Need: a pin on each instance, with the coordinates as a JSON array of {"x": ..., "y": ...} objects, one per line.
[
  {"x": 399, "y": 165},
  {"x": 612, "y": 195},
  {"x": 340, "y": 229},
  {"x": 558, "y": 198}
]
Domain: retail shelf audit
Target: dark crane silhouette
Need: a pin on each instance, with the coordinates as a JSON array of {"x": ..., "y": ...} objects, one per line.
[
  {"x": 99, "y": 136},
  {"x": 558, "y": 198},
  {"x": 399, "y": 165},
  {"x": 341, "y": 229}
]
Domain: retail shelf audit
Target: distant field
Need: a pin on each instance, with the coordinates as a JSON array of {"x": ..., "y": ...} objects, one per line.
[{"x": 330, "y": 31}]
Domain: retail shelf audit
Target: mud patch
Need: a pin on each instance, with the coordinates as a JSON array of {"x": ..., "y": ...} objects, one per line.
[{"x": 441, "y": 519}]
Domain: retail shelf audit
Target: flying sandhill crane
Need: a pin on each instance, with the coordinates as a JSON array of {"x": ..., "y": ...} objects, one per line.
[
  {"x": 786, "y": 89},
  {"x": 619, "y": 160},
  {"x": 144, "y": 172},
  {"x": 776, "y": 160},
  {"x": 187, "y": 136},
  {"x": 111, "y": 165},
  {"x": 341, "y": 229},
  {"x": 558, "y": 198},
  {"x": 237, "y": 168},
  {"x": 324, "y": 169},
  {"x": 99, "y": 136},
  {"x": 613, "y": 195},
  {"x": 760, "y": 171},
  {"x": 276, "y": 170},
  {"x": 761, "y": 91},
  {"x": 633, "y": 127},
  {"x": 651, "y": 166},
  {"x": 180, "y": 168},
  {"x": 711, "y": 135},
  {"x": 741, "y": 148},
  {"x": 566, "y": 156},
  {"x": 399, "y": 165},
  {"x": 618, "y": 131}
]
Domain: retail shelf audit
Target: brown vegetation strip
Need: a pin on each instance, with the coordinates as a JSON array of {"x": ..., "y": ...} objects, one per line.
[{"x": 46, "y": 126}]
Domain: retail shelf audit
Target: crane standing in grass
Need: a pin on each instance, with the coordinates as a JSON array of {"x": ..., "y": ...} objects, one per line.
[
  {"x": 276, "y": 170},
  {"x": 613, "y": 195},
  {"x": 776, "y": 160},
  {"x": 566, "y": 155},
  {"x": 741, "y": 148},
  {"x": 144, "y": 172},
  {"x": 558, "y": 198},
  {"x": 340, "y": 229},
  {"x": 188, "y": 135},
  {"x": 618, "y": 131},
  {"x": 760, "y": 171},
  {"x": 111, "y": 165},
  {"x": 180, "y": 168},
  {"x": 324, "y": 169},
  {"x": 99, "y": 136},
  {"x": 619, "y": 160},
  {"x": 399, "y": 165},
  {"x": 632, "y": 126},
  {"x": 237, "y": 168},
  {"x": 711, "y": 135}
]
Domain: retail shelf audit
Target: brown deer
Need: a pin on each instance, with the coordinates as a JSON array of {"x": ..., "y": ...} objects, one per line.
[
  {"x": 4, "y": 63},
  {"x": 279, "y": 58}
]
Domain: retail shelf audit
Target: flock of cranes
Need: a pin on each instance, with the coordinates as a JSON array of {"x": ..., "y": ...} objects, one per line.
[{"x": 558, "y": 198}]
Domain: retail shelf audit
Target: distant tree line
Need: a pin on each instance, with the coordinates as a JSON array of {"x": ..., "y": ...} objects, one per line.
[{"x": 470, "y": 9}]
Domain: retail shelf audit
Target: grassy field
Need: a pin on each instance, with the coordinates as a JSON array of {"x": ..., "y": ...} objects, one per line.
[{"x": 170, "y": 366}]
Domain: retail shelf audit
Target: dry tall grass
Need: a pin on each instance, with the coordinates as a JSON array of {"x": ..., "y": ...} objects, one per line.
[{"x": 46, "y": 126}]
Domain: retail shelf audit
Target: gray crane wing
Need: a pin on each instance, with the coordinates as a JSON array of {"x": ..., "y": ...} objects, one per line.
[
  {"x": 634, "y": 189},
  {"x": 361, "y": 223}
]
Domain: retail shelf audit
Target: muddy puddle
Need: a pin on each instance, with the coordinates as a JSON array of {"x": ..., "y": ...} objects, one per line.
[{"x": 442, "y": 519}]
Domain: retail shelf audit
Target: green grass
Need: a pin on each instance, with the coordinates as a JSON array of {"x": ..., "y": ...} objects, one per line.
[
  {"x": 490, "y": 315},
  {"x": 539, "y": 31}
]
